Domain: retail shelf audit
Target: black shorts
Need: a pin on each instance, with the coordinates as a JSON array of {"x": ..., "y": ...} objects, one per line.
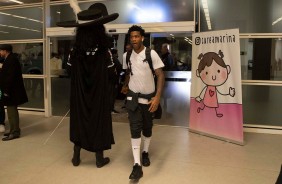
[{"x": 140, "y": 121}]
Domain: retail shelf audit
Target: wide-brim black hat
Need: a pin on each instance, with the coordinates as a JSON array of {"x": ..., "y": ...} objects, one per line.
[
  {"x": 7, "y": 47},
  {"x": 96, "y": 14}
]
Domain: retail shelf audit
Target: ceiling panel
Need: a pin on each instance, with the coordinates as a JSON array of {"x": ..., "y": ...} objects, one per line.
[
  {"x": 11, "y": 2},
  {"x": 22, "y": 23}
]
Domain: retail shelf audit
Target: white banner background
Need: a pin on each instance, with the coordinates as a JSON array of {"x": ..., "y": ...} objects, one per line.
[{"x": 221, "y": 119}]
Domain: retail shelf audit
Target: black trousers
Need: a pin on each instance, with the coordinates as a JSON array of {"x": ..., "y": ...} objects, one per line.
[
  {"x": 140, "y": 121},
  {"x": 2, "y": 114},
  {"x": 13, "y": 117}
]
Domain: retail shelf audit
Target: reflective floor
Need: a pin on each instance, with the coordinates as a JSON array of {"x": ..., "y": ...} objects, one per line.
[
  {"x": 175, "y": 99},
  {"x": 178, "y": 156}
]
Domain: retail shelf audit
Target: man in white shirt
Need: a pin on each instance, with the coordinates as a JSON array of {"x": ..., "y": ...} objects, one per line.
[
  {"x": 55, "y": 64},
  {"x": 142, "y": 97}
]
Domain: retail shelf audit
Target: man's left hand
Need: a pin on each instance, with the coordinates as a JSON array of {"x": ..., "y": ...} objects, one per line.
[{"x": 155, "y": 101}]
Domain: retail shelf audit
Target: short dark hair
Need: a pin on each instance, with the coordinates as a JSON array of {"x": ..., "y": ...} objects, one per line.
[
  {"x": 136, "y": 28},
  {"x": 114, "y": 51},
  {"x": 6, "y": 47}
]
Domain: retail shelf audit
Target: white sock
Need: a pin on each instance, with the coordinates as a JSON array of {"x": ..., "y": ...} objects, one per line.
[
  {"x": 135, "y": 143},
  {"x": 146, "y": 145}
]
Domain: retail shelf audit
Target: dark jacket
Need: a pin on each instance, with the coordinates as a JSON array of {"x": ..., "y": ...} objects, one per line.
[
  {"x": 168, "y": 61},
  {"x": 11, "y": 82}
]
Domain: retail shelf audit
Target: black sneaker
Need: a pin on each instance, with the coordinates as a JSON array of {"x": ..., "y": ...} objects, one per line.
[
  {"x": 76, "y": 156},
  {"x": 75, "y": 161},
  {"x": 145, "y": 159},
  {"x": 102, "y": 162},
  {"x": 6, "y": 134},
  {"x": 136, "y": 173}
]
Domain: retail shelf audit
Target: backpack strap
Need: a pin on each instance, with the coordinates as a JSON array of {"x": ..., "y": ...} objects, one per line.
[
  {"x": 149, "y": 59},
  {"x": 128, "y": 62}
]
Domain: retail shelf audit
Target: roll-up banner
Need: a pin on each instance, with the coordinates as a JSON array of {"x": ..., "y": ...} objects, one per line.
[{"x": 216, "y": 91}]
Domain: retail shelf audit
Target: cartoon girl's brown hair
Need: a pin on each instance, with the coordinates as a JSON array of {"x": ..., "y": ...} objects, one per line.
[{"x": 207, "y": 59}]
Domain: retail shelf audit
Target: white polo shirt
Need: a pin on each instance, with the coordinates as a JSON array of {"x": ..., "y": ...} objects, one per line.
[{"x": 142, "y": 80}]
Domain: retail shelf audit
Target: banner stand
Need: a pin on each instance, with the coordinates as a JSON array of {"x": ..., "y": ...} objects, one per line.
[
  {"x": 216, "y": 108},
  {"x": 217, "y": 137}
]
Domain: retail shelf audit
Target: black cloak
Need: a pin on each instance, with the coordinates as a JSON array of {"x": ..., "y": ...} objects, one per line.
[{"x": 90, "y": 111}]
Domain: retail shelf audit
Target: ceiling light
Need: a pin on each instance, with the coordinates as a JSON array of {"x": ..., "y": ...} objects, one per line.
[
  {"x": 4, "y": 32},
  {"x": 15, "y": 1},
  {"x": 3, "y": 25},
  {"x": 207, "y": 14},
  {"x": 20, "y": 17},
  {"x": 276, "y": 21}
]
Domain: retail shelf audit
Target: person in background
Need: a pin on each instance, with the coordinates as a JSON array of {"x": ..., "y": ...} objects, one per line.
[
  {"x": 12, "y": 89},
  {"x": 55, "y": 64},
  {"x": 2, "y": 116},
  {"x": 128, "y": 47},
  {"x": 2, "y": 110},
  {"x": 167, "y": 58},
  {"x": 142, "y": 97},
  {"x": 115, "y": 79},
  {"x": 91, "y": 66}
]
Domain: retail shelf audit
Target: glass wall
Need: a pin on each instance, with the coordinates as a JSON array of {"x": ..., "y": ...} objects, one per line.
[
  {"x": 179, "y": 46},
  {"x": 131, "y": 12},
  {"x": 176, "y": 95},
  {"x": 21, "y": 23},
  {"x": 250, "y": 16},
  {"x": 261, "y": 59},
  {"x": 261, "y": 105},
  {"x": 60, "y": 48},
  {"x": 15, "y": 3},
  {"x": 30, "y": 56},
  {"x": 262, "y": 79},
  {"x": 60, "y": 95},
  {"x": 35, "y": 92}
]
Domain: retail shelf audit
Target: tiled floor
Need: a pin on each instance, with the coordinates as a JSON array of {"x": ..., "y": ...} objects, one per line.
[{"x": 42, "y": 156}]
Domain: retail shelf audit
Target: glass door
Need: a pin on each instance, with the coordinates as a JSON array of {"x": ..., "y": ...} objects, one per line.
[{"x": 176, "y": 95}]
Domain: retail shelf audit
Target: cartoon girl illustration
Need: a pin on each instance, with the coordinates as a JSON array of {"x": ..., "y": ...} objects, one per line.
[{"x": 213, "y": 71}]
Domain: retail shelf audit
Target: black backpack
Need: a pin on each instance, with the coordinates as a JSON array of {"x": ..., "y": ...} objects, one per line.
[
  {"x": 148, "y": 59},
  {"x": 158, "y": 113}
]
